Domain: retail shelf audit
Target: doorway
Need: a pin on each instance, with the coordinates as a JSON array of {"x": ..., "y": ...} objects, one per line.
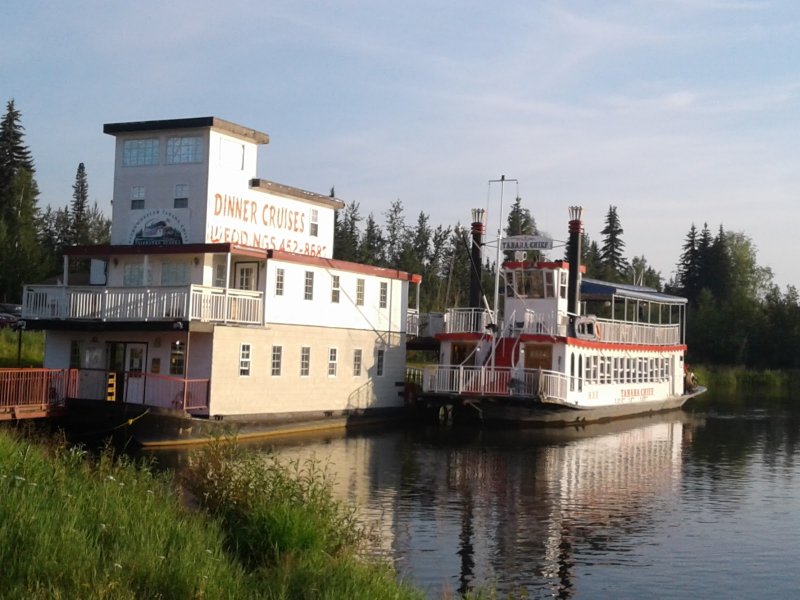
[{"x": 128, "y": 360}]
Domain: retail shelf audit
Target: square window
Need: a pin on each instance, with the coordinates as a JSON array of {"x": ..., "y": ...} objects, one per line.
[
  {"x": 305, "y": 361},
  {"x": 332, "y": 358},
  {"x": 184, "y": 150},
  {"x": 335, "y": 290},
  {"x": 357, "y": 362},
  {"x": 140, "y": 153},
  {"x": 245, "y": 358},
  {"x": 359, "y": 292},
  {"x": 309, "y": 288},
  {"x": 384, "y": 297},
  {"x": 379, "y": 359},
  {"x": 277, "y": 355},
  {"x": 279, "y": 282}
]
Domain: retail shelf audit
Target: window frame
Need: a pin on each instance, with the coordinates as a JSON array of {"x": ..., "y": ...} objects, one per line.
[
  {"x": 245, "y": 359},
  {"x": 280, "y": 275},
  {"x": 358, "y": 362},
  {"x": 308, "y": 286},
  {"x": 333, "y": 360},
  {"x": 305, "y": 361},
  {"x": 277, "y": 361},
  {"x": 383, "y": 300},
  {"x": 360, "y": 291}
]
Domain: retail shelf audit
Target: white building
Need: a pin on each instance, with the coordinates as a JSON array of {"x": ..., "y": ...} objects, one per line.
[{"x": 218, "y": 293}]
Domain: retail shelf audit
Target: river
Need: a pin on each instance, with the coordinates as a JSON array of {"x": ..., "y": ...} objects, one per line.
[{"x": 703, "y": 502}]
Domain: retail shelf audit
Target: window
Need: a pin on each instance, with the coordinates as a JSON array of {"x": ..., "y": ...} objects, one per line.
[
  {"x": 359, "y": 292},
  {"x": 277, "y": 355},
  {"x": 140, "y": 153},
  {"x": 279, "y": 282},
  {"x": 244, "y": 360},
  {"x": 357, "y": 361},
  {"x": 309, "y": 289},
  {"x": 335, "y": 289},
  {"x": 174, "y": 273},
  {"x": 384, "y": 297},
  {"x": 332, "y": 358},
  {"x": 74, "y": 354},
  {"x": 379, "y": 363},
  {"x": 137, "y": 197},
  {"x": 314, "y": 227},
  {"x": 184, "y": 150},
  {"x": 181, "y": 195},
  {"x": 133, "y": 275},
  {"x": 176, "y": 358},
  {"x": 305, "y": 361},
  {"x": 220, "y": 270}
]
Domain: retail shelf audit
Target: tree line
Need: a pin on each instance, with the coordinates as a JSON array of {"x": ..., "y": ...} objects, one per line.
[
  {"x": 737, "y": 315},
  {"x": 32, "y": 239}
]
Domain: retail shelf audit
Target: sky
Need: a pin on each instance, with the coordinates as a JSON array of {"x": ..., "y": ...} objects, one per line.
[{"x": 677, "y": 112}]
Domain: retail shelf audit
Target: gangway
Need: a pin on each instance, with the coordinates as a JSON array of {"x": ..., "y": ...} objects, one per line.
[{"x": 35, "y": 393}]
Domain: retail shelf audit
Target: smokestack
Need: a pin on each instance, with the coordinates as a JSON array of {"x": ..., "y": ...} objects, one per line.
[
  {"x": 574, "y": 258},
  {"x": 478, "y": 229}
]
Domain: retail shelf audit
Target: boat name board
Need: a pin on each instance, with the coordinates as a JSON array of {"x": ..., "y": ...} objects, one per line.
[
  {"x": 644, "y": 392},
  {"x": 526, "y": 242}
]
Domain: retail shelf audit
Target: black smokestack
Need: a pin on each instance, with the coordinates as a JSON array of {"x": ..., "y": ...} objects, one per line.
[
  {"x": 478, "y": 229},
  {"x": 574, "y": 258}
]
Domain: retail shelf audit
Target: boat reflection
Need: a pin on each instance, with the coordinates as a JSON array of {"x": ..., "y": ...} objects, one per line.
[
  {"x": 508, "y": 509},
  {"x": 517, "y": 511}
]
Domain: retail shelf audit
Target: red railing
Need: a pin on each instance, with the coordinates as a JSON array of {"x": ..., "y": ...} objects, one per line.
[{"x": 30, "y": 393}]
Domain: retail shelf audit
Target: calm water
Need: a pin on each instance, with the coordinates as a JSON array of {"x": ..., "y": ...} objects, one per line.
[{"x": 702, "y": 503}]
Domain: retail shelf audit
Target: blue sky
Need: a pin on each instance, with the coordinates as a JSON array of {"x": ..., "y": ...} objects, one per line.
[{"x": 675, "y": 111}]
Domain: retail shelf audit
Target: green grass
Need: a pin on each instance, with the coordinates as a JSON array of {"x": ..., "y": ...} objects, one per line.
[
  {"x": 77, "y": 526},
  {"x": 32, "y": 348}
]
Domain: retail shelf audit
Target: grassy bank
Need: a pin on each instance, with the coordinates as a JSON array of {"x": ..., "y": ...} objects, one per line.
[
  {"x": 738, "y": 381},
  {"x": 72, "y": 526},
  {"x": 32, "y": 348}
]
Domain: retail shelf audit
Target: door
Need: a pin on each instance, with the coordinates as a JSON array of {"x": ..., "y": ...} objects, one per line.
[
  {"x": 538, "y": 356},
  {"x": 246, "y": 276},
  {"x": 135, "y": 357},
  {"x": 127, "y": 361}
]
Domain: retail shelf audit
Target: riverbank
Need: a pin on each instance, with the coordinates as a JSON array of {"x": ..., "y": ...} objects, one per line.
[
  {"x": 77, "y": 526},
  {"x": 728, "y": 381}
]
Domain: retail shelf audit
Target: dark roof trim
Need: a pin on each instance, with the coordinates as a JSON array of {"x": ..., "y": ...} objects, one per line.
[
  {"x": 279, "y": 189},
  {"x": 344, "y": 265},
  {"x": 593, "y": 289},
  {"x": 233, "y": 129},
  {"x": 107, "y": 250}
]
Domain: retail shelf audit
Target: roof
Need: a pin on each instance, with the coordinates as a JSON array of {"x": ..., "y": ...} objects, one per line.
[
  {"x": 233, "y": 129},
  {"x": 296, "y": 193},
  {"x": 594, "y": 289}
]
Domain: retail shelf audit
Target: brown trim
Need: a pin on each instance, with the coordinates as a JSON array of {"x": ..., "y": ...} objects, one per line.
[
  {"x": 342, "y": 265},
  {"x": 238, "y": 131},
  {"x": 279, "y": 189},
  {"x": 125, "y": 250}
]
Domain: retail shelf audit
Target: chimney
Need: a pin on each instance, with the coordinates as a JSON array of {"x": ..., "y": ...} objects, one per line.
[
  {"x": 478, "y": 229},
  {"x": 574, "y": 258}
]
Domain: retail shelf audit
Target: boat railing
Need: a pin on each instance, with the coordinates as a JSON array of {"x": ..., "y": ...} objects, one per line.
[
  {"x": 412, "y": 322},
  {"x": 468, "y": 380},
  {"x": 43, "y": 388},
  {"x": 149, "y": 389},
  {"x": 543, "y": 324},
  {"x": 167, "y": 303},
  {"x": 467, "y": 320},
  {"x": 645, "y": 334}
]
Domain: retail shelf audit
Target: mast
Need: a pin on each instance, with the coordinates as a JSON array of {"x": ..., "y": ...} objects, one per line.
[{"x": 574, "y": 259}]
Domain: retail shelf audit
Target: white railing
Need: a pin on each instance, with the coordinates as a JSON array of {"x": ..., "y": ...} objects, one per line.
[
  {"x": 412, "y": 322},
  {"x": 467, "y": 320},
  {"x": 646, "y": 334},
  {"x": 543, "y": 324},
  {"x": 220, "y": 305},
  {"x": 500, "y": 381}
]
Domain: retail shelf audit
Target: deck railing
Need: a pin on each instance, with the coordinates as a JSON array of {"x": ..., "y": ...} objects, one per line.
[
  {"x": 467, "y": 320},
  {"x": 486, "y": 381},
  {"x": 34, "y": 388},
  {"x": 645, "y": 334},
  {"x": 196, "y": 302},
  {"x": 151, "y": 389}
]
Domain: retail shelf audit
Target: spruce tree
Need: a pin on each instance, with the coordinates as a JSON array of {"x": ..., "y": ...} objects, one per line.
[
  {"x": 79, "y": 209},
  {"x": 611, "y": 256},
  {"x": 520, "y": 222}
]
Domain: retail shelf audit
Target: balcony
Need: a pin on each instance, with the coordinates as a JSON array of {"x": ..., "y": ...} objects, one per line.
[
  {"x": 467, "y": 320},
  {"x": 180, "y": 303}
]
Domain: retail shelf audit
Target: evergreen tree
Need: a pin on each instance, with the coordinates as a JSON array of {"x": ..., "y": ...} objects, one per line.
[
  {"x": 395, "y": 234},
  {"x": 20, "y": 257},
  {"x": 456, "y": 269},
  {"x": 346, "y": 236},
  {"x": 372, "y": 243},
  {"x": 611, "y": 256},
  {"x": 520, "y": 222},
  {"x": 79, "y": 209},
  {"x": 640, "y": 273},
  {"x": 688, "y": 277},
  {"x": 99, "y": 226}
]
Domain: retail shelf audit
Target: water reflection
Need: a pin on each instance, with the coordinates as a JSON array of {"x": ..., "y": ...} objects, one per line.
[{"x": 459, "y": 508}]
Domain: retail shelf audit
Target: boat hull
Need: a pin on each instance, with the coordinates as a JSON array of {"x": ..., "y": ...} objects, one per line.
[{"x": 500, "y": 410}]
